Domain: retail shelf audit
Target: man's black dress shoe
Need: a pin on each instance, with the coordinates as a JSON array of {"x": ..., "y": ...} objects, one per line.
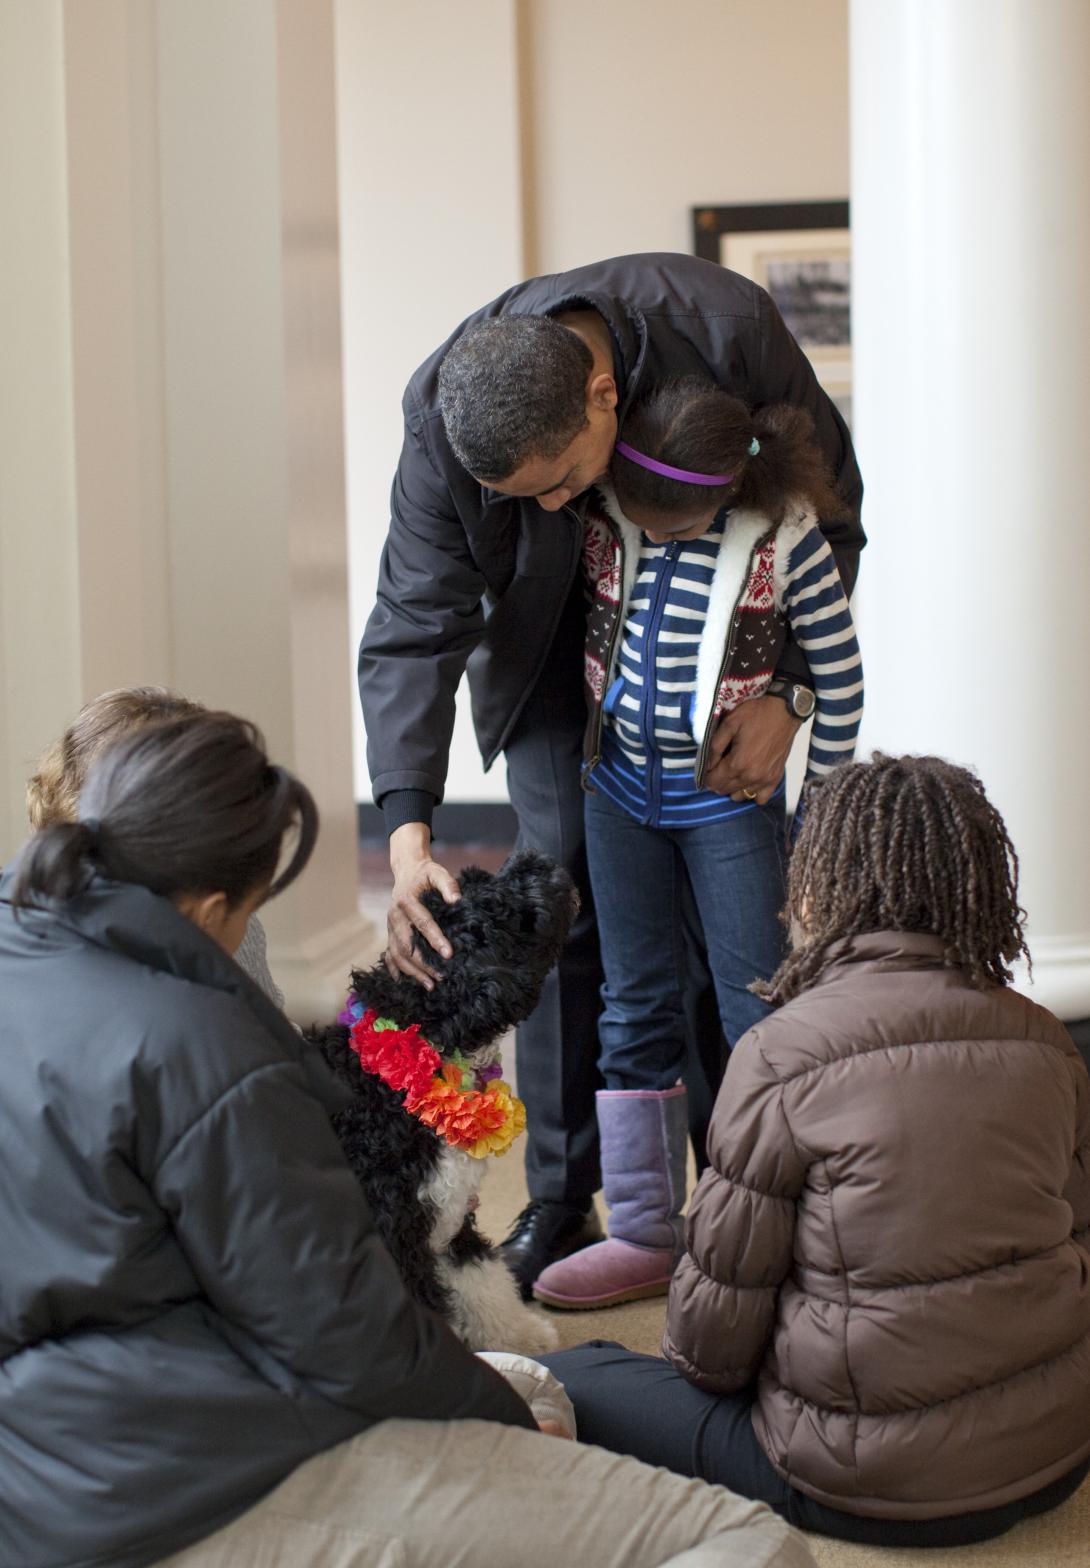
[{"x": 544, "y": 1233}]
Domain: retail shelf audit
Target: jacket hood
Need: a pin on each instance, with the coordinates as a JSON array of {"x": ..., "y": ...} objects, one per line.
[{"x": 135, "y": 923}]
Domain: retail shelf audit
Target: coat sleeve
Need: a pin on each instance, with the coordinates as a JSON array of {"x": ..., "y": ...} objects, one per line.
[
  {"x": 781, "y": 373},
  {"x": 739, "y": 1231},
  {"x": 427, "y": 619},
  {"x": 282, "y": 1244},
  {"x": 818, "y": 614}
]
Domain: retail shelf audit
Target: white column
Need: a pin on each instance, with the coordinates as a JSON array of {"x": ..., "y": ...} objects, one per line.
[
  {"x": 971, "y": 232},
  {"x": 39, "y": 600},
  {"x": 431, "y": 229},
  {"x": 180, "y": 482}
]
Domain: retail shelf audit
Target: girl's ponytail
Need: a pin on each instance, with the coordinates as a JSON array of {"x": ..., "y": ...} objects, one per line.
[
  {"x": 788, "y": 466},
  {"x": 57, "y": 864},
  {"x": 291, "y": 803}
]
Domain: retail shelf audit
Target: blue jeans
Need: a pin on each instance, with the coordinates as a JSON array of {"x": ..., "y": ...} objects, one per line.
[{"x": 736, "y": 869}]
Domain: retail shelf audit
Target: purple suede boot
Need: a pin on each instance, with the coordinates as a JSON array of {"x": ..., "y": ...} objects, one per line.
[{"x": 644, "y": 1136}]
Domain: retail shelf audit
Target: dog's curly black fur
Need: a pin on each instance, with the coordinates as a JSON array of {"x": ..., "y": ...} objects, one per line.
[{"x": 506, "y": 933}]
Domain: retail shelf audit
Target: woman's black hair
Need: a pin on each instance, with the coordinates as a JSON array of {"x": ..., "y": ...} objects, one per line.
[
  {"x": 689, "y": 422},
  {"x": 187, "y": 805}
]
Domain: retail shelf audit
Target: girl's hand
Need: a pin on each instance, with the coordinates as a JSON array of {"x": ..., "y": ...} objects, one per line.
[{"x": 554, "y": 1429}]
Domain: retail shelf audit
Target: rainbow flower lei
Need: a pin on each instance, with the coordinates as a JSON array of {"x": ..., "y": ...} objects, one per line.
[{"x": 470, "y": 1107}]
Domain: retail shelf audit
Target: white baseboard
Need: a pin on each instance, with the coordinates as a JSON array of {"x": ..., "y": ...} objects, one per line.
[{"x": 1061, "y": 976}]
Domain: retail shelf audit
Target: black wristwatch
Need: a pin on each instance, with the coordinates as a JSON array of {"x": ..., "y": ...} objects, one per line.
[{"x": 800, "y": 700}]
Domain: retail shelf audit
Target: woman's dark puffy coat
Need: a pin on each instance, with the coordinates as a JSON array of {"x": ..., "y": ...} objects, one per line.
[
  {"x": 894, "y": 1238},
  {"x": 193, "y": 1298}
]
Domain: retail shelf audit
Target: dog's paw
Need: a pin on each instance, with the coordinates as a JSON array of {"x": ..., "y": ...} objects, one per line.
[{"x": 534, "y": 1334}]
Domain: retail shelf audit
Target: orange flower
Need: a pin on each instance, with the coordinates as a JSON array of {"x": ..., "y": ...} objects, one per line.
[{"x": 480, "y": 1124}]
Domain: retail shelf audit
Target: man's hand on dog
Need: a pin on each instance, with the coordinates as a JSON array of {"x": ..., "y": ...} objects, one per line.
[{"x": 414, "y": 872}]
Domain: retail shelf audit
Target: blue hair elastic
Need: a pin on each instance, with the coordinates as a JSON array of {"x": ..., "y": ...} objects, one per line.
[{"x": 754, "y": 447}]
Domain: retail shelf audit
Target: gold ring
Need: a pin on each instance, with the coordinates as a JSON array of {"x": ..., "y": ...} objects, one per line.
[{"x": 750, "y": 794}]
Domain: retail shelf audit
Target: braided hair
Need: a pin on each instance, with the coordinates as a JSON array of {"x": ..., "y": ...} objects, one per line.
[{"x": 901, "y": 844}]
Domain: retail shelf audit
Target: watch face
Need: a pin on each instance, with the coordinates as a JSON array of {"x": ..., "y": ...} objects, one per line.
[{"x": 803, "y": 702}]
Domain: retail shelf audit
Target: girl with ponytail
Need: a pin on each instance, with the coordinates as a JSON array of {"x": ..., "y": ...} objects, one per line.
[
  {"x": 703, "y": 557},
  {"x": 53, "y": 789},
  {"x": 189, "y": 809},
  {"x": 195, "y": 1300}
]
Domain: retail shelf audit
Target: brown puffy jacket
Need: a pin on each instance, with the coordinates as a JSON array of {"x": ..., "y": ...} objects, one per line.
[{"x": 894, "y": 1238}]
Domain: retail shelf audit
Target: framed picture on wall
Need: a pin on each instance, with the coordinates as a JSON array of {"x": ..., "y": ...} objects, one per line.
[{"x": 801, "y": 253}]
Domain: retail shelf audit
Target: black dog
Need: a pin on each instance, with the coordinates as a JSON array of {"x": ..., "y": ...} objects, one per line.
[{"x": 506, "y": 933}]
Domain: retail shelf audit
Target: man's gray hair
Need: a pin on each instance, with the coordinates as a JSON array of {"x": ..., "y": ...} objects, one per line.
[{"x": 511, "y": 389}]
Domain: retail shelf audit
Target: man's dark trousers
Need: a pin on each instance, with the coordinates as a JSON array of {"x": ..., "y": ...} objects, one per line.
[{"x": 557, "y": 1047}]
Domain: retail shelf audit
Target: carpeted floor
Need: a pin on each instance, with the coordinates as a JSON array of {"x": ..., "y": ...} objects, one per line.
[{"x": 1059, "y": 1540}]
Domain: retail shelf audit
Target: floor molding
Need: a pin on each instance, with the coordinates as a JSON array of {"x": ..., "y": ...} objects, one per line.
[{"x": 491, "y": 822}]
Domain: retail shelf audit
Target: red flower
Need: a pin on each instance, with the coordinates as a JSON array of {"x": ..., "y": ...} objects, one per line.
[{"x": 402, "y": 1058}]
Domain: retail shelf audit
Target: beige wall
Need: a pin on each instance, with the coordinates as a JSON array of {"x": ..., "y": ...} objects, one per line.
[
  {"x": 430, "y": 228},
  {"x": 486, "y": 142},
  {"x": 172, "y": 475},
  {"x": 39, "y": 613},
  {"x": 638, "y": 110}
]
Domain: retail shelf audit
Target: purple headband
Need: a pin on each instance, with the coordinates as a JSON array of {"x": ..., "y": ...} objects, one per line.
[{"x": 670, "y": 473}]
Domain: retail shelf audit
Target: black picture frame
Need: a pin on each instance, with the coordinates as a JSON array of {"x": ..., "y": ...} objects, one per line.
[
  {"x": 711, "y": 222},
  {"x": 810, "y": 281}
]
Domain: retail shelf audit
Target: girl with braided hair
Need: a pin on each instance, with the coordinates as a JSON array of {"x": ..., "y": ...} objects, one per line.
[
  {"x": 705, "y": 561},
  {"x": 882, "y": 1322}
]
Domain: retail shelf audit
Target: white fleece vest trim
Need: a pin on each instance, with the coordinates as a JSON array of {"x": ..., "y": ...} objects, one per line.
[{"x": 731, "y": 575}]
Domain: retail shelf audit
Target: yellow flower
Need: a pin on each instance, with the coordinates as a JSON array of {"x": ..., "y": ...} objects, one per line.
[{"x": 514, "y": 1122}]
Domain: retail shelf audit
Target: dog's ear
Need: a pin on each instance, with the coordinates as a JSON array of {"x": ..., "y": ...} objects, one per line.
[
  {"x": 545, "y": 891},
  {"x": 526, "y": 865},
  {"x": 473, "y": 876}
]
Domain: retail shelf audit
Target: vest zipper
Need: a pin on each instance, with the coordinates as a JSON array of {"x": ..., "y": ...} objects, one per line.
[{"x": 650, "y": 686}]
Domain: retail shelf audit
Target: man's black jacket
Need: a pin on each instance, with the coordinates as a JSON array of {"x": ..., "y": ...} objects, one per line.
[{"x": 470, "y": 575}]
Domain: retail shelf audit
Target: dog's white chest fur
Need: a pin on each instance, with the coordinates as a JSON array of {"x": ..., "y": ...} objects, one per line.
[{"x": 488, "y": 1312}]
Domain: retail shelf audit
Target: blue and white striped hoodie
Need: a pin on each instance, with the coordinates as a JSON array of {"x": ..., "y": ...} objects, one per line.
[{"x": 681, "y": 633}]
